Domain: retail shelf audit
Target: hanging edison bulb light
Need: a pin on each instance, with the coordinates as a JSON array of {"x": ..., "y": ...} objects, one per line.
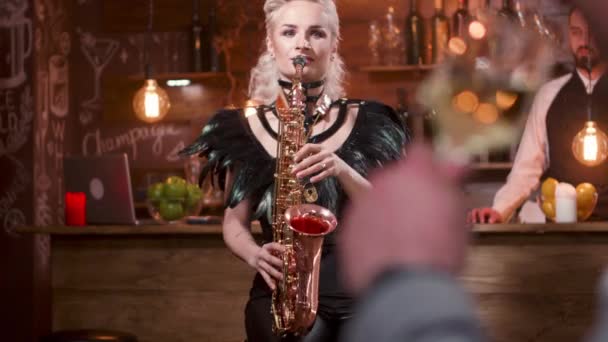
[
  {"x": 590, "y": 145},
  {"x": 151, "y": 102}
]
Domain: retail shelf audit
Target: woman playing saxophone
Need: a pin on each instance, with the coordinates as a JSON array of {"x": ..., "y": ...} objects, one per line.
[{"x": 343, "y": 146}]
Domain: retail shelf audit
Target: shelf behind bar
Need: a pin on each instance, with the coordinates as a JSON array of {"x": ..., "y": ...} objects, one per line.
[
  {"x": 397, "y": 68},
  {"x": 492, "y": 166},
  {"x": 180, "y": 75}
]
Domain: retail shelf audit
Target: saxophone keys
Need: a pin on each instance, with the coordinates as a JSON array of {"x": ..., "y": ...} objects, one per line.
[{"x": 310, "y": 194}]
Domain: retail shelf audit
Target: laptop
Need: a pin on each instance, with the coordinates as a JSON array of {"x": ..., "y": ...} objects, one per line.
[{"x": 106, "y": 182}]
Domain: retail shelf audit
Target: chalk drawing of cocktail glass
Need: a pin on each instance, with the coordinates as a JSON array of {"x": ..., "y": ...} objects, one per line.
[
  {"x": 58, "y": 92},
  {"x": 98, "y": 52}
]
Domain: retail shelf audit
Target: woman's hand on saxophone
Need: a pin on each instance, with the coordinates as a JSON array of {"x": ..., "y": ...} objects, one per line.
[
  {"x": 317, "y": 159},
  {"x": 267, "y": 262}
]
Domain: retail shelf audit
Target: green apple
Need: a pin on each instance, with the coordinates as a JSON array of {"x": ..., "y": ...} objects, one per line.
[
  {"x": 175, "y": 180},
  {"x": 171, "y": 210},
  {"x": 175, "y": 188},
  {"x": 155, "y": 192}
]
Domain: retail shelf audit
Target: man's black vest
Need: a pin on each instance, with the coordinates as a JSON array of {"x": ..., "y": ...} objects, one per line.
[{"x": 566, "y": 117}]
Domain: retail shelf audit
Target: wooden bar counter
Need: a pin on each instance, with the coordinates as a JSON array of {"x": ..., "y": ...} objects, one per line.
[{"x": 179, "y": 283}]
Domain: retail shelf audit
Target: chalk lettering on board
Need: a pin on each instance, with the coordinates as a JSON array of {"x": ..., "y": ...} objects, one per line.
[
  {"x": 42, "y": 184},
  {"x": 20, "y": 181},
  {"x": 65, "y": 43},
  {"x": 55, "y": 150},
  {"x": 59, "y": 157},
  {"x": 43, "y": 105},
  {"x": 137, "y": 41},
  {"x": 13, "y": 219},
  {"x": 17, "y": 122},
  {"x": 43, "y": 214},
  {"x": 60, "y": 213},
  {"x": 85, "y": 116},
  {"x": 172, "y": 156},
  {"x": 124, "y": 56},
  {"x": 42, "y": 243},
  {"x": 58, "y": 129},
  {"x": 38, "y": 39},
  {"x": 18, "y": 45},
  {"x": 94, "y": 143},
  {"x": 54, "y": 145},
  {"x": 58, "y": 85},
  {"x": 42, "y": 181}
]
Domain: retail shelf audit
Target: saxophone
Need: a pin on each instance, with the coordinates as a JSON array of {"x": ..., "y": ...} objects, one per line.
[{"x": 299, "y": 227}]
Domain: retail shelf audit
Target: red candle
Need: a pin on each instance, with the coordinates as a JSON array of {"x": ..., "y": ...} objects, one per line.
[{"x": 75, "y": 209}]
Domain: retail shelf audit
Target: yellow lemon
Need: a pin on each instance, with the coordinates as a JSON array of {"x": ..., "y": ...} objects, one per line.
[
  {"x": 547, "y": 189},
  {"x": 586, "y": 197},
  {"x": 548, "y": 208}
]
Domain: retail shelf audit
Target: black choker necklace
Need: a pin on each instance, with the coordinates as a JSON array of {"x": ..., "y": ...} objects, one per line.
[{"x": 309, "y": 85}]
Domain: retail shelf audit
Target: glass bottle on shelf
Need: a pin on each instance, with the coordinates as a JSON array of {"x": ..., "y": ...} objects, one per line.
[
  {"x": 212, "y": 200},
  {"x": 484, "y": 9},
  {"x": 374, "y": 42},
  {"x": 196, "y": 38},
  {"x": 216, "y": 57},
  {"x": 507, "y": 11},
  {"x": 414, "y": 35},
  {"x": 461, "y": 19},
  {"x": 440, "y": 33},
  {"x": 403, "y": 110},
  {"x": 392, "y": 40}
]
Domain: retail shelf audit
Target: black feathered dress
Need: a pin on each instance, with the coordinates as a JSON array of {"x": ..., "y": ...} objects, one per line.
[{"x": 377, "y": 137}]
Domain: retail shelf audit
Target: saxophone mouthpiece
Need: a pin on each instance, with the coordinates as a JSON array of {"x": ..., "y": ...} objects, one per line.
[{"x": 300, "y": 60}]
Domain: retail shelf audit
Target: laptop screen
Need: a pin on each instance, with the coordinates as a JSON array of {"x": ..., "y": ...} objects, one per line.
[{"x": 106, "y": 182}]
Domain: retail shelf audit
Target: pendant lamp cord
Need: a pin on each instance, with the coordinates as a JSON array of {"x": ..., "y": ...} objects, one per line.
[
  {"x": 589, "y": 83},
  {"x": 147, "y": 40}
]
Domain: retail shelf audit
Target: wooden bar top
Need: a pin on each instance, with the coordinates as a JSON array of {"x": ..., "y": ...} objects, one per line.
[{"x": 213, "y": 229}]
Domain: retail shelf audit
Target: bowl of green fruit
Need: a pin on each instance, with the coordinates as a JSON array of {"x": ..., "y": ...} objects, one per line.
[{"x": 173, "y": 200}]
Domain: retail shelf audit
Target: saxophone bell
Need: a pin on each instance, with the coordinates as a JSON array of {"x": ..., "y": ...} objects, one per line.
[{"x": 309, "y": 224}]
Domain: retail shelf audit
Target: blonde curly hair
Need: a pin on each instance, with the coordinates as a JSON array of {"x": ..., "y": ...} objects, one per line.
[{"x": 263, "y": 85}]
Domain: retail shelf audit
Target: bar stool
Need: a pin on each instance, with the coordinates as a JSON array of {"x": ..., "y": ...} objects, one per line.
[{"x": 89, "y": 335}]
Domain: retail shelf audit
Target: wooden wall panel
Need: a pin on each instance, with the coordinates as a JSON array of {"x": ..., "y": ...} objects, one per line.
[
  {"x": 525, "y": 269},
  {"x": 167, "y": 264},
  {"x": 156, "y": 316},
  {"x": 535, "y": 288},
  {"x": 534, "y": 317},
  {"x": 527, "y": 287},
  {"x": 161, "y": 289}
]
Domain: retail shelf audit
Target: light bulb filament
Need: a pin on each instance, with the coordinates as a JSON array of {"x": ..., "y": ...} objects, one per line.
[
  {"x": 151, "y": 104},
  {"x": 590, "y": 147}
]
